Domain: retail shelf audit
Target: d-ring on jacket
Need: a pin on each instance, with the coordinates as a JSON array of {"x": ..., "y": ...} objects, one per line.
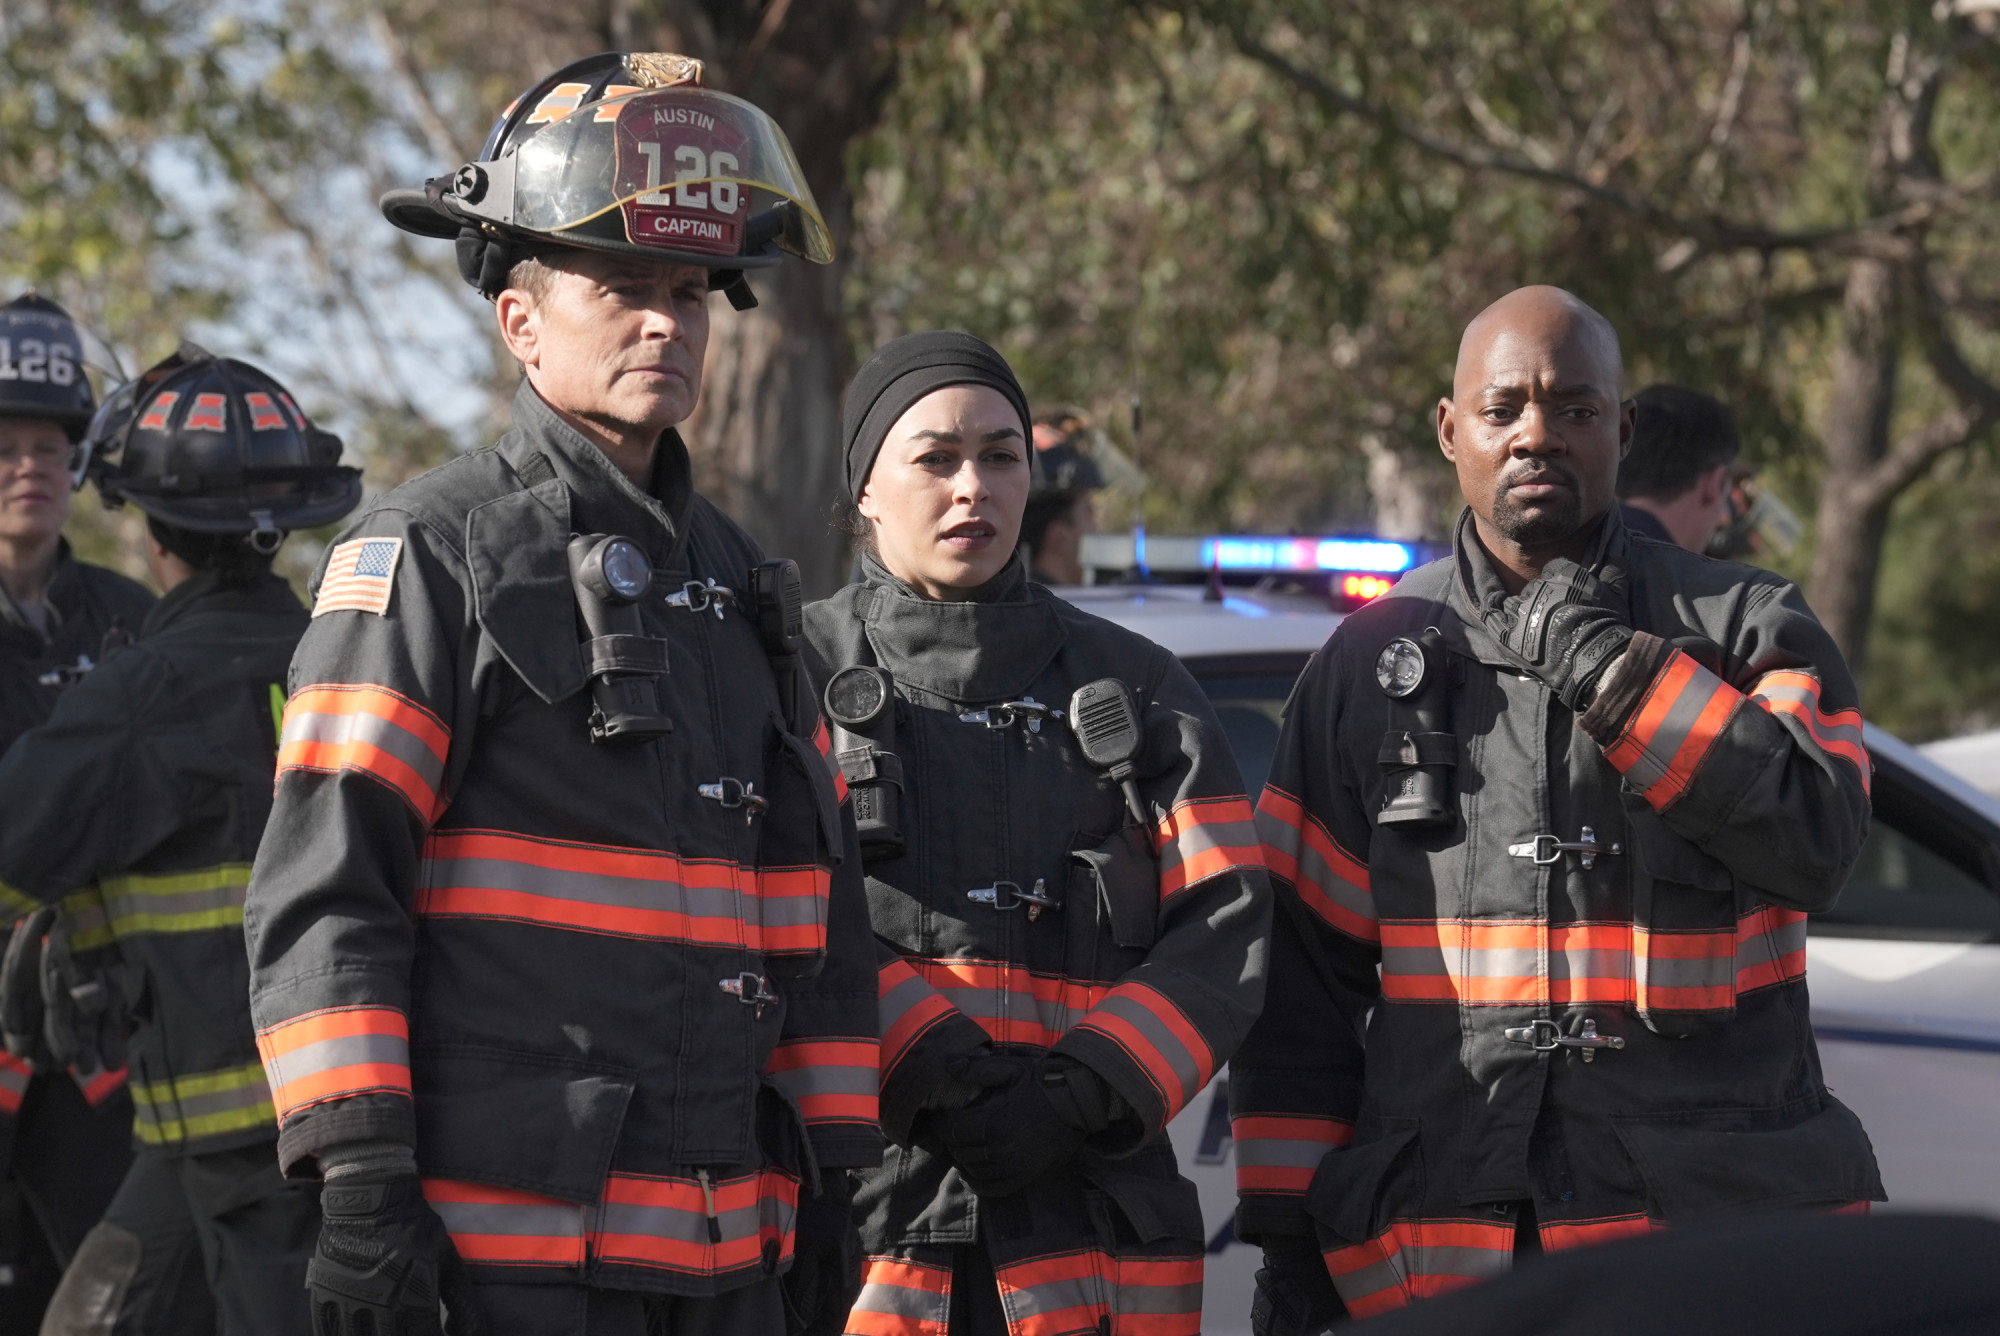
[{"x": 1148, "y": 969}]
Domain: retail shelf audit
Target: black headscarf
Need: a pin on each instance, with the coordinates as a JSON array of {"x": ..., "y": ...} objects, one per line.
[{"x": 903, "y": 371}]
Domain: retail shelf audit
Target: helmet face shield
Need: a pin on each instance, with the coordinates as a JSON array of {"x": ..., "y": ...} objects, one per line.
[{"x": 687, "y": 172}]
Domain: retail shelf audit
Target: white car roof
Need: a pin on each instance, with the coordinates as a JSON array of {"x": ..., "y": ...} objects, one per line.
[{"x": 1186, "y": 620}]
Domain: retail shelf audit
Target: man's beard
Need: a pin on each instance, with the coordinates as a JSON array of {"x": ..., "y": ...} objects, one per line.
[{"x": 1549, "y": 521}]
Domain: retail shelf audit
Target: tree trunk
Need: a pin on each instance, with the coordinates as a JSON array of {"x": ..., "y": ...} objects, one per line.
[{"x": 1853, "y": 516}]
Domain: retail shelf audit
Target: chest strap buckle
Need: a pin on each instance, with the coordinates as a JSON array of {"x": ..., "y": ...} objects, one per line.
[
  {"x": 1545, "y": 1036},
  {"x": 700, "y": 596},
  {"x": 754, "y": 990},
  {"x": 731, "y": 793},
  {"x": 1546, "y": 849},
  {"x": 1008, "y": 895},
  {"x": 1026, "y": 710}
]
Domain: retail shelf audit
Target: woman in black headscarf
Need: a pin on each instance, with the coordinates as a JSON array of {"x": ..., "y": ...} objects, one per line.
[{"x": 1072, "y": 937}]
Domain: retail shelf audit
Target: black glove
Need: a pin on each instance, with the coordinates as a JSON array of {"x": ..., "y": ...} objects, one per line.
[
  {"x": 83, "y": 1008},
  {"x": 1014, "y": 1135},
  {"x": 1295, "y": 1295},
  {"x": 825, "y": 1278},
  {"x": 385, "y": 1263},
  {"x": 21, "y": 1014},
  {"x": 1566, "y": 628}
]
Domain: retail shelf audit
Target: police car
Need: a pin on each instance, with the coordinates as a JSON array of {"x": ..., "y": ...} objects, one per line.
[{"x": 1904, "y": 971}]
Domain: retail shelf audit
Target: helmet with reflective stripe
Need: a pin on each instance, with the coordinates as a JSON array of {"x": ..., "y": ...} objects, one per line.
[
  {"x": 214, "y": 445},
  {"x": 41, "y": 364},
  {"x": 624, "y": 152}
]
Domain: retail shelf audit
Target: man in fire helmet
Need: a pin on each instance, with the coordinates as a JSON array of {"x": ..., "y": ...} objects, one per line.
[
  {"x": 138, "y": 806},
  {"x": 63, "y": 1134},
  {"x": 561, "y": 959}
]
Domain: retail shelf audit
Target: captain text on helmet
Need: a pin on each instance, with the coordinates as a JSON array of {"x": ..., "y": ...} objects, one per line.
[
  {"x": 138, "y": 807},
  {"x": 1546, "y": 820},
  {"x": 562, "y": 968}
]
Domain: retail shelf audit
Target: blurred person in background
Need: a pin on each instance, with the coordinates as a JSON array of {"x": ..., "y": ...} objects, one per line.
[
  {"x": 138, "y": 806},
  {"x": 64, "y": 1136},
  {"x": 1063, "y": 872},
  {"x": 1675, "y": 482},
  {"x": 1061, "y": 510}
]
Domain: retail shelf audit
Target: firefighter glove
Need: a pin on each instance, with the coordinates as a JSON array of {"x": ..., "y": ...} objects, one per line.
[
  {"x": 1567, "y": 627},
  {"x": 384, "y": 1265},
  {"x": 1295, "y": 1295},
  {"x": 21, "y": 989},
  {"x": 83, "y": 1009},
  {"x": 1014, "y": 1135},
  {"x": 825, "y": 1278}
]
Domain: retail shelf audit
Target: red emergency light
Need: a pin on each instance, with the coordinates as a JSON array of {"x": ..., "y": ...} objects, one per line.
[{"x": 1361, "y": 588}]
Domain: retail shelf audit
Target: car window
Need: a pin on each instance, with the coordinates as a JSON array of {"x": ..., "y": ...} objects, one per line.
[
  {"x": 1249, "y": 697},
  {"x": 1923, "y": 872}
]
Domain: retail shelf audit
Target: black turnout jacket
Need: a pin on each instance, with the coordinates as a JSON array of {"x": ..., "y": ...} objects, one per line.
[
  {"x": 619, "y": 1011},
  {"x": 1641, "y": 874}
]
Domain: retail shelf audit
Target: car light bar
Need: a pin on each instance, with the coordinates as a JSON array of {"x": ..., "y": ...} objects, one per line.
[
  {"x": 1315, "y": 555},
  {"x": 1361, "y": 588}
]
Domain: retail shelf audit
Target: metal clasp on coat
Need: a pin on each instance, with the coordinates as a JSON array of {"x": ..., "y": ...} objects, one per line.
[
  {"x": 1009, "y": 895},
  {"x": 702, "y": 596},
  {"x": 1026, "y": 710},
  {"x": 1546, "y": 849},
  {"x": 731, "y": 793},
  {"x": 1545, "y": 1036},
  {"x": 752, "y": 990}
]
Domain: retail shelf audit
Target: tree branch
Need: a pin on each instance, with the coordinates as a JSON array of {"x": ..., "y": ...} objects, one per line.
[{"x": 437, "y": 134}]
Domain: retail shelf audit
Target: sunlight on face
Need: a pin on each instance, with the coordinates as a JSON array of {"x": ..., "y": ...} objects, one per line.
[
  {"x": 947, "y": 490},
  {"x": 35, "y": 457}
]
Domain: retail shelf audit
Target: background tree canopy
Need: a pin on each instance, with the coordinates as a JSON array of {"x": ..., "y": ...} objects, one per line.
[{"x": 1266, "y": 219}]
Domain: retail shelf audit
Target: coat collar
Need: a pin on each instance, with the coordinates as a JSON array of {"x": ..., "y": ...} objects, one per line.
[
  {"x": 990, "y": 647},
  {"x": 202, "y": 592},
  {"x": 603, "y": 499}
]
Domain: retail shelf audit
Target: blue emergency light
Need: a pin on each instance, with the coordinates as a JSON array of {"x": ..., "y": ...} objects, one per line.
[{"x": 1315, "y": 555}]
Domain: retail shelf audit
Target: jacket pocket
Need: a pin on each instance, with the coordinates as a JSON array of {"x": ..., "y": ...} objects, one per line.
[
  {"x": 1122, "y": 876},
  {"x": 518, "y": 1120},
  {"x": 1149, "y": 1191},
  {"x": 1684, "y": 938},
  {"x": 1349, "y": 1193},
  {"x": 1712, "y": 1162}
]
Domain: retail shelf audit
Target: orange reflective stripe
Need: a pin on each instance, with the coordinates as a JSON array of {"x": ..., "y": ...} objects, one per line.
[
  {"x": 824, "y": 742},
  {"x": 1838, "y": 734},
  {"x": 15, "y": 1073},
  {"x": 369, "y": 729},
  {"x": 1770, "y": 947},
  {"x": 1203, "y": 838},
  {"x": 1078, "y": 1291},
  {"x": 1672, "y": 732},
  {"x": 1418, "y": 1259},
  {"x": 1280, "y": 1153},
  {"x": 622, "y": 892},
  {"x": 1330, "y": 881},
  {"x": 900, "y": 1297},
  {"x": 907, "y": 1009},
  {"x": 1154, "y": 1033},
  {"x": 664, "y": 1222},
  {"x": 831, "y": 1080},
  {"x": 96, "y": 1089},
  {"x": 333, "y": 1054},
  {"x": 503, "y": 1227},
  {"x": 1579, "y": 1233},
  {"x": 1013, "y": 1004}
]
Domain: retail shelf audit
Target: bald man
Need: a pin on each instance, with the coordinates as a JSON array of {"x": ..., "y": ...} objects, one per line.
[{"x": 1545, "y": 824}]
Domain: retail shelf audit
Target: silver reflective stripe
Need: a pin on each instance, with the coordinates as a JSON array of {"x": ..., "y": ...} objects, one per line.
[
  {"x": 593, "y": 888},
  {"x": 191, "y": 901},
  {"x": 904, "y": 1301},
  {"x": 1372, "y": 1279},
  {"x": 325, "y": 1055},
  {"x": 1313, "y": 867},
  {"x": 826, "y": 1079},
  {"x": 1436, "y": 1260},
  {"x": 1164, "y": 1042},
  {"x": 305, "y": 724},
  {"x": 540, "y": 1220},
  {"x": 1159, "y": 1300},
  {"x": 1279, "y": 1152},
  {"x": 1674, "y": 730},
  {"x": 899, "y": 1000},
  {"x": 1193, "y": 837},
  {"x": 1053, "y": 1296}
]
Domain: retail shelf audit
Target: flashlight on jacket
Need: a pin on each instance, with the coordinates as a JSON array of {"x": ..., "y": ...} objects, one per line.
[
  {"x": 860, "y": 704},
  {"x": 1419, "y": 751},
  {"x": 610, "y": 575}
]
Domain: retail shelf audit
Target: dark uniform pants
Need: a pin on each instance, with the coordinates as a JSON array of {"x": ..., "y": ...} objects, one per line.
[
  {"x": 194, "y": 1245},
  {"x": 581, "y": 1310}
]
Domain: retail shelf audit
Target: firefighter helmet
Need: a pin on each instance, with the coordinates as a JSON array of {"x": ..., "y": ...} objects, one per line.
[
  {"x": 214, "y": 445},
  {"x": 624, "y": 152},
  {"x": 41, "y": 364}
]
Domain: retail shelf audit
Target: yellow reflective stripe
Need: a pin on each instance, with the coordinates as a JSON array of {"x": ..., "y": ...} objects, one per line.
[
  {"x": 205, "y": 1104},
  {"x": 17, "y": 904},
  {"x": 177, "y": 901},
  {"x": 89, "y": 922},
  {"x": 277, "y": 709}
]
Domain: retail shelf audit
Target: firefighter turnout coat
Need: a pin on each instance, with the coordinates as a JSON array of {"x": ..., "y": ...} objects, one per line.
[
  {"x": 1648, "y": 886},
  {"x": 1147, "y": 967},
  {"x": 86, "y": 607},
  {"x": 138, "y": 806},
  {"x": 619, "y": 996}
]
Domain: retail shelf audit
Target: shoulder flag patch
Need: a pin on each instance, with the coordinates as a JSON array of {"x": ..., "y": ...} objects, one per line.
[{"x": 360, "y": 576}]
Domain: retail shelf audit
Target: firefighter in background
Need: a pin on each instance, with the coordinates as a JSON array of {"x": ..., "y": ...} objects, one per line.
[
  {"x": 1675, "y": 482},
  {"x": 1063, "y": 871},
  {"x": 560, "y": 953},
  {"x": 1544, "y": 824},
  {"x": 64, "y": 1138},
  {"x": 139, "y": 805},
  {"x": 1061, "y": 510}
]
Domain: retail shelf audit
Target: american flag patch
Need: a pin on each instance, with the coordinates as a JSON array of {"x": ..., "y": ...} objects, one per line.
[{"x": 361, "y": 575}]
